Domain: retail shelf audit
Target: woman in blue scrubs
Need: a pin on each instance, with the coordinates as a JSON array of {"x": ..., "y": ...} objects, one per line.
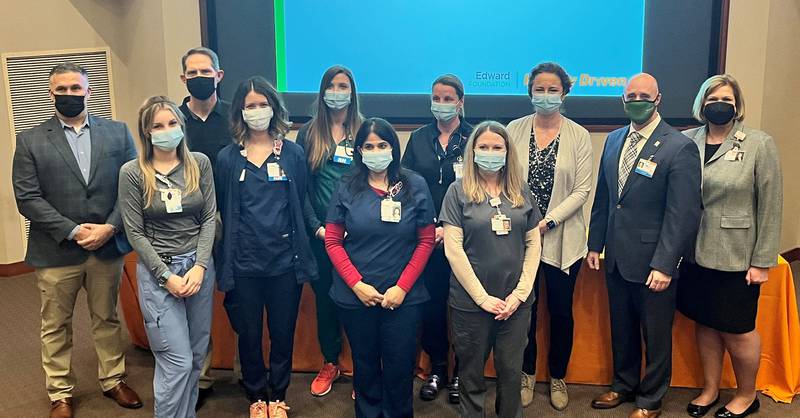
[
  {"x": 387, "y": 213},
  {"x": 264, "y": 255}
]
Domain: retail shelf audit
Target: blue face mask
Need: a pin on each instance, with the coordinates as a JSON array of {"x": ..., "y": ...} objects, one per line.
[
  {"x": 546, "y": 104},
  {"x": 444, "y": 112},
  {"x": 168, "y": 139},
  {"x": 337, "y": 100},
  {"x": 490, "y": 160},
  {"x": 377, "y": 161}
]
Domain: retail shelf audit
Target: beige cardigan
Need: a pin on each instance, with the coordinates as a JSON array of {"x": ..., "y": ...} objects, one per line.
[{"x": 566, "y": 243}]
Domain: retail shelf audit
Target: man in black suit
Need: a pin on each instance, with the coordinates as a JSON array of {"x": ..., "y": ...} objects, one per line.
[
  {"x": 65, "y": 176},
  {"x": 645, "y": 214}
]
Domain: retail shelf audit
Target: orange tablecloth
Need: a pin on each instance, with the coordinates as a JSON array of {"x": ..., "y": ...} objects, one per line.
[{"x": 778, "y": 323}]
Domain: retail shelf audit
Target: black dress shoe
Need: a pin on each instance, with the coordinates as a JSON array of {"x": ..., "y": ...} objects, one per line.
[
  {"x": 724, "y": 413},
  {"x": 430, "y": 390},
  {"x": 202, "y": 396},
  {"x": 452, "y": 391},
  {"x": 698, "y": 411}
]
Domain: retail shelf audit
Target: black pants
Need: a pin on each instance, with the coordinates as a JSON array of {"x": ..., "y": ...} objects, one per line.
[
  {"x": 435, "y": 333},
  {"x": 245, "y": 306},
  {"x": 475, "y": 334},
  {"x": 384, "y": 347},
  {"x": 560, "y": 288},
  {"x": 329, "y": 328},
  {"x": 638, "y": 313}
]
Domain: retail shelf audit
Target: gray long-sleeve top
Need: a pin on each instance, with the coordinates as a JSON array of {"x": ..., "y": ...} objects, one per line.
[{"x": 153, "y": 232}]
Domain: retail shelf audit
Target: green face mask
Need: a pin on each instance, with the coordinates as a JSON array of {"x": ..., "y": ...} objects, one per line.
[{"x": 640, "y": 111}]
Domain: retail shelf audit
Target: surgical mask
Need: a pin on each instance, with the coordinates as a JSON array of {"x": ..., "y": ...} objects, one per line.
[
  {"x": 719, "y": 113},
  {"x": 377, "y": 161},
  {"x": 167, "y": 139},
  {"x": 257, "y": 119},
  {"x": 490, "y": 160},
  {"x": 69, "y": 105},
  {"x": 546, "y": 104},
  {"x": 444, "y": 112},
  {"x": 640, "y": 111},
  {"x": 200, "y": 87},
  {"x": 337, "y": 100}
]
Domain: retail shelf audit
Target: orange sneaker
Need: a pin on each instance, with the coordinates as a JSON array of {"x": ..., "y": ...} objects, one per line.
[
  {"x": 323, "y": 383},
  {"x": 258, "y": 409},
  {"x": 278, "y": 409}
]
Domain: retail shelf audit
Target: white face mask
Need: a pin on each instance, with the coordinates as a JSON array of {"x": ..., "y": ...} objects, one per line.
[{"x": 257, "y": 119}]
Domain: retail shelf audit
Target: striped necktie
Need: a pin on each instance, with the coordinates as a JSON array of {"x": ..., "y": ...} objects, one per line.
[{"x": 627, "y": 160}]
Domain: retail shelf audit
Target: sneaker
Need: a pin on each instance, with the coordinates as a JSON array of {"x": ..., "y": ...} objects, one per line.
[
  {"x": 526, "y": 393},
  {"x": 277, "y": 409},
  {"x": 323, "y": 383},
  {"x": 430, "y": 389},
  {"x": 452, "y": 391},
  {"x": 558, "y": 394},
  {"x": 258, "y": 409}
]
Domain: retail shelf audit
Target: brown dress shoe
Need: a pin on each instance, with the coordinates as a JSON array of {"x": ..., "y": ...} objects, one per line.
[
  {"x": 124, "y": 395},
  {"x": 610, "y": 400},
  {"x": 645, "y": 413},
  {"x": 61, "y": 408}
]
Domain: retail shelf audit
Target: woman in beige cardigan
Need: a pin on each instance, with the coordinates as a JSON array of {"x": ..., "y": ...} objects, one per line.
[{"x": 556, "y": 160}]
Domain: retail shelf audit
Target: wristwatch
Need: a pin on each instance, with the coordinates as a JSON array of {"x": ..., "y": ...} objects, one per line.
[
  {"x": 551, "y": 224},
  {"x": 162, "y": 281}
]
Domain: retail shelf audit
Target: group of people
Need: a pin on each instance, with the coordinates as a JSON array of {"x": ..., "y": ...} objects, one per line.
[{"x": 444, "y": 242}]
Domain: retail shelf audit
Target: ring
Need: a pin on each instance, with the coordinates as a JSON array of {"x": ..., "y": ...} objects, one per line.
[{"x": 391, "y": 308}]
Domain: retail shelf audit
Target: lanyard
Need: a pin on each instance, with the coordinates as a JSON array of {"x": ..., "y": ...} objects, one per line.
[
  {"x": 394, "y": 190},
  {"x": 164, "y": 180}
]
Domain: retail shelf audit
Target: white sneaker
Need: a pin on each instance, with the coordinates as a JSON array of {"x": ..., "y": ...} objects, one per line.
[{"x": 558, "y": 394}]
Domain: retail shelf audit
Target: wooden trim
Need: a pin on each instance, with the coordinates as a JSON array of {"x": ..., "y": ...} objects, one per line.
[
  {"x": 9, "y": 270},
  {"x": 723, "y": 36},
  {"x": 792, "y": 255}
]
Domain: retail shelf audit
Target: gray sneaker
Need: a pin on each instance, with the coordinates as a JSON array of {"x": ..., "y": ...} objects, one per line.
[
  {"x": 558, "y": 394},
  {"x": 528, "y": 382}
]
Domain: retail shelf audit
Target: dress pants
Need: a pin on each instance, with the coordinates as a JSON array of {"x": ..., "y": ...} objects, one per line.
[
  {"x": 384, "y": 347},
  {"x": 435, "y": 332},
  {"x": 329, "y": 328},
  {"x": 475, "y": 334},
  {"x": 245, "y": 306},
  {"x": 178, "y": 330},
  {"x": 638, "y": 313},
  {"x": 58, "y": 289}
]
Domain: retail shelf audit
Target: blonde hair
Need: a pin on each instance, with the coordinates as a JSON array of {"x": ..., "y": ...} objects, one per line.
[
  {"x": 510, "y": 177},
  {"x": 711, "y": 85},
  {"x": 191, "y": 171}
]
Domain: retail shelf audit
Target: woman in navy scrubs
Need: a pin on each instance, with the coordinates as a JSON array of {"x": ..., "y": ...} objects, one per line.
[
  {"x": 387, "y": 213},
  {"x": 264, "y": 256}
]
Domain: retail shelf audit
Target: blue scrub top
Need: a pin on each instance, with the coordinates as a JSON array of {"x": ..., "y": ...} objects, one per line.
[
  {"x": 264, "y": 236},
  {"x": 379, "y": 250}
]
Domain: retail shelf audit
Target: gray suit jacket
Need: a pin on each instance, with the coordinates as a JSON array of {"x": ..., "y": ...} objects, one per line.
[
  {"x": 53, "y": 195},
  {"x": 743, "y": 200}
]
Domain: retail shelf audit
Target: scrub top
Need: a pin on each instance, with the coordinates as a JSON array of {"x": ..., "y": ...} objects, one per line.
[{"x": 380, "y": 251}]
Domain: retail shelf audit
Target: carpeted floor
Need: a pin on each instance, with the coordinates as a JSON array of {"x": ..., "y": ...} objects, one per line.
[{"x": 22, "y": 391}]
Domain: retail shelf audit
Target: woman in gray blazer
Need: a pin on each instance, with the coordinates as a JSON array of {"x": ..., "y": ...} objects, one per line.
[
  {"x": 736, "y": 245},
  {"x": 556, "y": 160}
]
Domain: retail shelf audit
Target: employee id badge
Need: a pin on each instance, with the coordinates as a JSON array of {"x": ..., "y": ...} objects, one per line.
[
  {"x": 501, "y": 224},
  {"x": 646, "y": 168},
  {"x": 172, "y": 200},
  {"x": 343, "y": 155},
  {"x": 458, "y": 169},
  {"x": 390, "y": 211},
  {"x": 275, "y": 172},
  {"x": 735, "y": 154}
]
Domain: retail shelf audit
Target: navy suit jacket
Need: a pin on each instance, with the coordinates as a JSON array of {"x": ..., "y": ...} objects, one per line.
[{"x": 653, "y": 223}]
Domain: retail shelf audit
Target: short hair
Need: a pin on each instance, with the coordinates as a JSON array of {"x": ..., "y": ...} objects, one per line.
[
  {"x": 203, "y": 51},
  {"x": 552, "y": 68},
  {"x": 712, "y": 84},
  {"x": 68, "y": 67}
]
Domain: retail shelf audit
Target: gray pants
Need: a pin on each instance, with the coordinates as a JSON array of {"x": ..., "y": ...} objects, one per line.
[
  {"x": 178, "y": 330},
  {"x": 475, "y": 334}
]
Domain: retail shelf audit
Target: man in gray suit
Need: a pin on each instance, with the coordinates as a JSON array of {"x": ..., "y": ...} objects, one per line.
[
  {"x": 645, "y": 215},
  {"x": 65, "y": 175}
]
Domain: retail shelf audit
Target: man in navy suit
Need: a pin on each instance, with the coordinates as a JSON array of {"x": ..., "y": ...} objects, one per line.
[{"x": 645, "y": 215}]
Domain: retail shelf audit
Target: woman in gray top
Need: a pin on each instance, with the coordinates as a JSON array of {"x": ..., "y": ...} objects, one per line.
[
  {"x": 167, "y": 202},
  {"x": 736, "y": 245}
]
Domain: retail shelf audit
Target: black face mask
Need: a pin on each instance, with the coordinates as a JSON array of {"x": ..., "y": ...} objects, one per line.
[
  {"x": 200, "y": 87},
  {"x": 69, "y": 105},
  {"x": 719, "y": 113}
]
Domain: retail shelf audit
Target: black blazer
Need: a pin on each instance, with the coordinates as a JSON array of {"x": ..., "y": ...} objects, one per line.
[
  {"x": 653, "y": 223},
  {"x": 51, "y": 192}
]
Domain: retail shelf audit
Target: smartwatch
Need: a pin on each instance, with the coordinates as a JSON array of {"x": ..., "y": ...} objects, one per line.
[
  {"x": 551, "y": 224},
  {"x": 162, "y": 281}
]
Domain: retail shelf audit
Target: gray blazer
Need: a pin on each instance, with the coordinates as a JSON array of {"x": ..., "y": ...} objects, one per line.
[
  {"x": 53, "y": 195},
  {"x": 743, "y": 200}
]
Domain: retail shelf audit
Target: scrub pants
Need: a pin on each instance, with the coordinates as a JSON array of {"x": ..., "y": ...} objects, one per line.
[
  {"x": 435, "y": 333},
  {"x": 329, "y": 328},
  {"x": 178, "y": 330}
]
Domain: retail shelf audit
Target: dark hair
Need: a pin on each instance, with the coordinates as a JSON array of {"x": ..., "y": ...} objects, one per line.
[
  {"x": 451, "y": 80},
  {"x": 278, "y": 126},
  {"x": 203, "y": 51},
  {"x": 68, "y": 67},
  {"x": 357, "y": 177},
  {"x": 552, "y": 68}
]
